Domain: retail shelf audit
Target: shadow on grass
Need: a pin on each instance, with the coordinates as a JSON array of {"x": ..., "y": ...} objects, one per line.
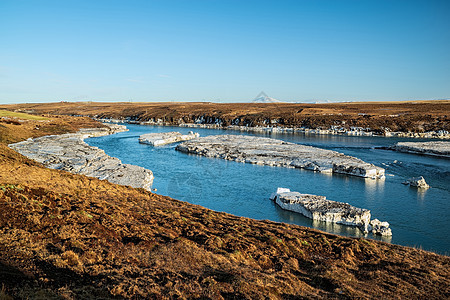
[{"x": 68, "y": 282}]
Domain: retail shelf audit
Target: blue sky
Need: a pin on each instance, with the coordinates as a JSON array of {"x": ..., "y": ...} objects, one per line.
[{"x": 224, "y": 51}]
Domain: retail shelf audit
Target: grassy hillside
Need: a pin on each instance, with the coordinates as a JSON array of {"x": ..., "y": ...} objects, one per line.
[
  {"x": 73, "y": 237},
  {"x": 18, "y": 115},
  {"x": 413, "y": 116},
  {"x": 17, "y": 129}
]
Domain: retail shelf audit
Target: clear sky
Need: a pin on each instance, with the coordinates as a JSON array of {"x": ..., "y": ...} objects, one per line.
[{"x": 223, "y": 51}]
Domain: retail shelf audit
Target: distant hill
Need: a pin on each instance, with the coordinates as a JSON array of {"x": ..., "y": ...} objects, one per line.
[{"x": 263, "y": 98}]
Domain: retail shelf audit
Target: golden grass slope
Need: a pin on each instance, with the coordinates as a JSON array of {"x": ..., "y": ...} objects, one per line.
[{"x": 73, "y": 237}]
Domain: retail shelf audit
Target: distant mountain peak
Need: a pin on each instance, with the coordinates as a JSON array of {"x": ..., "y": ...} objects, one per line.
[{"x": 263, "y": 98}]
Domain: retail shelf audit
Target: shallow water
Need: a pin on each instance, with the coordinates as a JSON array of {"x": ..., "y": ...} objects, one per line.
[{"x": 417, "y": 218}]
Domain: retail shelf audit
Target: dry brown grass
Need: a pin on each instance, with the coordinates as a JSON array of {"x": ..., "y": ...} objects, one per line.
[
  {"x": 414, "y": 116},
  {"x": 74, "y": 237},
  {"x": 3, "y": 295},
  {"x": 19, "y": 129}
]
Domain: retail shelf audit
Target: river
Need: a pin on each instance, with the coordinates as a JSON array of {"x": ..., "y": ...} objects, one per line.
[{"x": 417, "y": 218}]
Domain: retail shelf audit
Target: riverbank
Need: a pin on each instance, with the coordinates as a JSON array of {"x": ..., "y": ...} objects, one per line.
[
  {"x": 419, "y": 119},
  {"x": 333, "y": 130},
  {"x": 69, "y": 152},
  {"x": 69, "y": 236}
]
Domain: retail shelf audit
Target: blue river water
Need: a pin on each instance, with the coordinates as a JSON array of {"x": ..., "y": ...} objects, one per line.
[{"x": 417, "y": 218}]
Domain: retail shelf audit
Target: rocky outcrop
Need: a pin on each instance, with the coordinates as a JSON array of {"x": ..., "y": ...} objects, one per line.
[
  {"x": 380, "y": 228},
  {"x": 69, "y": 152},
  {"x": 418, "y": 182},
  {"x": 273, "y": 152},
  {"x": 320, "y": 209},
  {"x": 164, "y": 138},
  {"x": 441, "y": 148}
]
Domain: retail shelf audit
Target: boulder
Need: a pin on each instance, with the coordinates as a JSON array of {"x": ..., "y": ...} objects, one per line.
[
  {"x": 418, "y": 182},
  {"x": 380, "y": 228}
]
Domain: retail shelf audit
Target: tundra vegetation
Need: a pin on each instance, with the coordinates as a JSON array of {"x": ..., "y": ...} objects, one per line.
[
  {"x": 379, "y": 117},
  {"x": 74, "y": 237}
]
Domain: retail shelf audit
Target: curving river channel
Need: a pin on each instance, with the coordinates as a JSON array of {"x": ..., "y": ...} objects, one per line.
[{"x": 417, "y": 218}]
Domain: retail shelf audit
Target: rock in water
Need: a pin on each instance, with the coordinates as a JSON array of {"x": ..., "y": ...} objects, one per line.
[
  {"x": 69, "y": 152},
  {"x": 273, "y": 152},
  {"x": 163, "y": 138},
  {"x": 320, "y": 209},
  {"x": 418, "y": 182},
  {"x": 380, "y": 228}
]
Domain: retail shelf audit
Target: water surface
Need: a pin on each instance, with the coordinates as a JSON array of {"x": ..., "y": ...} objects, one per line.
[{"x": 417, "y": 218}]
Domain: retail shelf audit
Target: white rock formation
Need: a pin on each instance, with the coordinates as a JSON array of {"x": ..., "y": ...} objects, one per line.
[
  {"x": 418, "y": 182},
  {"x": 69, "y": 152},
  {"x": 164, "y": 138},
  {"x": 320, "y": 209},
  {"x": 272, "y": 152},
  {"x": 440, "y": 148},
  {"x": 380, "y": 228},
  {"x": 279, "y": 191}
]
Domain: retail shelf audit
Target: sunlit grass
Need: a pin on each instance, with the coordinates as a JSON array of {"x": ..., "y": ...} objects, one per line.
[{"x": 23, "y": 116}]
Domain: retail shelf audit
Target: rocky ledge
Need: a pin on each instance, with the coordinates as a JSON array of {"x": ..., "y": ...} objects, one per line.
[
  {"x": 320, "y": 209},
  {"x": 69, "y": 152},
  {"x": 440, "y": 148},
  {"x": 273, "y": 152},
  {"x": 164, "y": 138}
]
